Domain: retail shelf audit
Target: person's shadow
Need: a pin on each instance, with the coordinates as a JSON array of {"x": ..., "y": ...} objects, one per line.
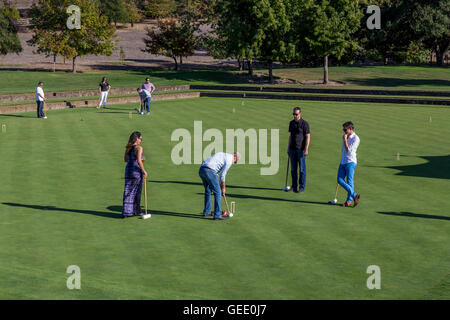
[
  {"x": 115, "y": 212},
  {"x": 164, "y": 213},
  {"x": 414, "y": 215},
  {"x": 53, "y": 208}
]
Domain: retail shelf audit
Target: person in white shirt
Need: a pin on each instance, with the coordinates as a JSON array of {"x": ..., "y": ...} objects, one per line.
[
  {"x": 350, "y": 143},
  {"x": 217, "y": 164},
  {"x": 40, "y": 98},
  {"x": 144, "y": 94}
]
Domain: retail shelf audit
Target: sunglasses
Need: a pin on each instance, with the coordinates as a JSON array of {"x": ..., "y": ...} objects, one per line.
[{"x": 296, "y": 114}]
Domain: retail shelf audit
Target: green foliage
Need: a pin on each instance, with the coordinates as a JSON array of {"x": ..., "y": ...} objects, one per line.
[
  {"x": 159, "y": 8},
  {"x": 171, "y": 39},
  {"x": 52, "y": 37},
  {"x": 133, "y": 13},
  {"x": 9, "y": 41},
  {"x": 115, "y": 10},
  {"x": 10, "y": 11}
]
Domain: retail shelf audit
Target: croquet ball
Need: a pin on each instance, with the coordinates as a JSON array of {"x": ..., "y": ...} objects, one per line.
[
  {"x": 230, "y": 214},
  {"x": 224, "y": 212},
  {"x": 334, "y": 201}
]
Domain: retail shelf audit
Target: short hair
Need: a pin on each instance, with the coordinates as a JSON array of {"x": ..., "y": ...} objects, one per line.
[
  {"x": 348, "y": 125},
  {"x": 138, "y": 89},
  {"x": 238, "y": 156},
  {"x": 147, "y": 79},
  {"x": 297, "y": 109},
  {"x": 39, "y": 83}
]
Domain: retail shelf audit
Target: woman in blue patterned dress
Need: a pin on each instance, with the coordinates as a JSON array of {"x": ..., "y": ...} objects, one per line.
[{"x": 134, "y": 176}]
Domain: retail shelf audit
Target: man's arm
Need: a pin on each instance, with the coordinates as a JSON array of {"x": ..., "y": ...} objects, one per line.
[{"x": 308, "y": 139}]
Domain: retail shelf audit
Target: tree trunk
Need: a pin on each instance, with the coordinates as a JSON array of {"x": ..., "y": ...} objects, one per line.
[
  {"x": 240, "y": 64},
  {"x": 325, "y": 70},
  {"x": 271, "y": 72},
  {"x": 250, "y": 67},
  {"x": 176, "y": 63},
  {"x": 74, "y": 65},
  {"x": 181, "y": 59}
]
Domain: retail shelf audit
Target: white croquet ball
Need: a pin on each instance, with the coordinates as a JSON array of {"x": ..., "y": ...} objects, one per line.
[
  {"x": 230, "y": 214},
  {"x": 334, "y": 201}
]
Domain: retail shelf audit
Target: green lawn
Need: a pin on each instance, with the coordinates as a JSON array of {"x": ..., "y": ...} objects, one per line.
[
  {"x": 367, "y": 77},
  {"x": 62, "y": 186},
  {"x": 377, "y": 77}
]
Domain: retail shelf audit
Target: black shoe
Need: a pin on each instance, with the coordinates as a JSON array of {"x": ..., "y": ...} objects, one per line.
[
  {"x": 296, "y": 191},
  {"x": 208, "y": 214},
  {"x": 221, "y": 218}
]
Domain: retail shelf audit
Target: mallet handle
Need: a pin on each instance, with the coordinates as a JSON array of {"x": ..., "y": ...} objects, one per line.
[
  {"x": 145, "y": 191},
  {"x": 335, "y": 194}
]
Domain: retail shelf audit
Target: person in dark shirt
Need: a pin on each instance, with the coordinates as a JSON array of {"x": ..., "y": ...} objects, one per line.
[
  {"x": 104, "y": 88},
  {"x": 298, "y": 150}
]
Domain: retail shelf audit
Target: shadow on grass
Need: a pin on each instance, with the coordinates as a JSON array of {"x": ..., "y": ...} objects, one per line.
[
  {"x": 201, "y": 184},
  {"x": 398, "y": 82},
  {"x": 53, "y": 208},
  {"x": 16, "y": 115},
  {"x": 435, "y": 167},
  {"x": 245, "y": 196},
  {"x": 414, "y": 215},
  {"x": 164, "y": 213}
]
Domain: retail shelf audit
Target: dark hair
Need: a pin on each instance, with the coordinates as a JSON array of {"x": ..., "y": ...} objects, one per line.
[
  {"x": 134, "y": 136},
  {"x": 138, "y": 89},
  {"x": 39, "y": 83},
  {"x": 348, "y": 125},
  {"x": 103, "y": 79},
  {"x": 297, "y": 109}
]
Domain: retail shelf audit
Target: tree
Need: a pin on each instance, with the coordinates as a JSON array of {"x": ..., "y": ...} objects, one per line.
[
  {"x": 133, "y": 13},
  {"x": 53, "y": 37},
  {"x": 159, "y": 8},
  {"x": 9, "y": 41},
  {"x": 115, "y": 10},
  {"x": 171, "y": 39},
  {"x": 275, "y": 44},
  {"x": 431, "y": 23},
  {"x": 326, "y": 27}
]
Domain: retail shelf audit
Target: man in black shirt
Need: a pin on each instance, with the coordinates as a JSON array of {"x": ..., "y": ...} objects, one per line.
[
  {"x": 104, "y": 88},
  {"x": 298, "y": 149}
]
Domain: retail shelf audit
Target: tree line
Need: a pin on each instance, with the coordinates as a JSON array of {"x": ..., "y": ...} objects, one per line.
[{"x": 301, "y": 32}]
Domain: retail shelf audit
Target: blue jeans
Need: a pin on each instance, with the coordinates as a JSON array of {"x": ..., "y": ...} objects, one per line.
[
  {"x": 347, "y": 170},
  {"x": 297, "y": 159},
  {"x": 40, "y": 109},
  {"x": 211, "y": 183},
  {"x": 146, "y": 104}
]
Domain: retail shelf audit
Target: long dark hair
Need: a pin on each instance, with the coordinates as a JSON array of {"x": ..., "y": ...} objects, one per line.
[
  {"x": 134, "y": 136},
  {"x": 103, "y": 79}
]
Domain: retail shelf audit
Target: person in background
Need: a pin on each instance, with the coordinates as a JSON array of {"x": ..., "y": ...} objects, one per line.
[
  {"x": 40, "y": 98},
  {"x": 147, "y": 85},
  {"x": 104, "y": 88}
]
